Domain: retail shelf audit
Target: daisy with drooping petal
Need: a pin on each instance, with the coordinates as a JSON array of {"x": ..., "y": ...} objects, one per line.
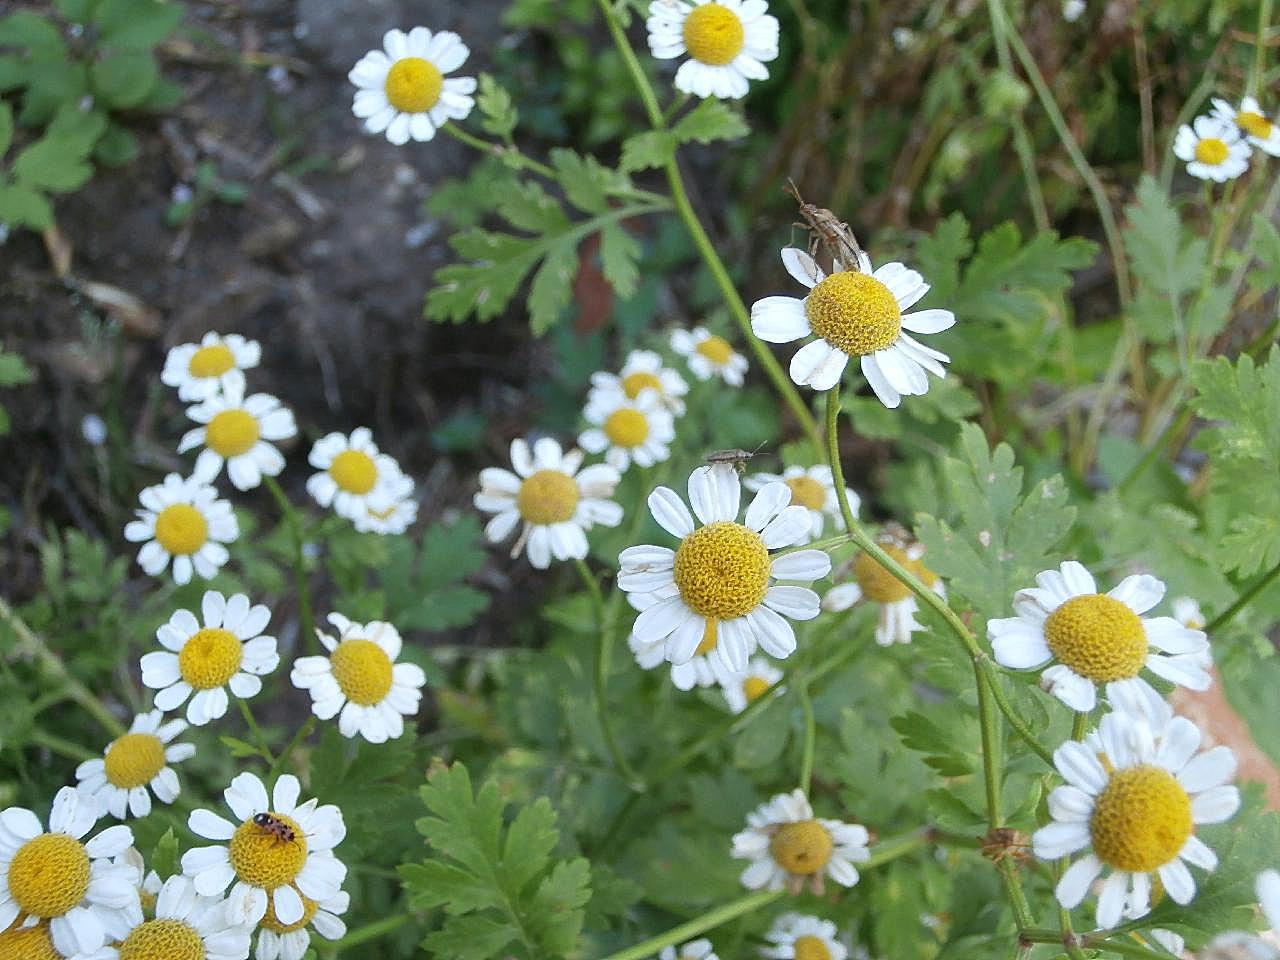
[
  {"x": 552, "y": 501},
  {"x": 182, "y": 520},
  {"x": 1133, "y": 797},
  {"x": 728, "y": 43},
  {"x": 1259, "y": 129},
  {"x": 812, "y": 488},
  {"x": 789, "y": 847},
  {"x": 715, "y": 593},
  {"x": 855, "y": 313},
  {"x": 351, "y": 472},
  {"x": 1096, "y": 637},
  {"x": 627, "y": 430},
  {"x": 743, "y": 689},
  {"x": 693, "y": 950},
  {"x": 274, "y": 860},
  {"x": 402, "y": 88},
  {"x": 361, "y": 678},
  {"x": 1212, "y": 148},
  {"x": 796, "y": 937},
  {"x": 643, "y": 370},
  {"x": 898, "y": 605},
  {"x": 238, "y": 432},
  {"x": 710, "y": 356},
  {"x": 133, "y": 762},
  {"x": 228, "y": 651},
  {"x": 59, "y": 879},
  {"x": 390, "y": 508},
  {"x": 289, "y": 941},
  {"x": 215, "y": 364},
  {"x": 186, "y": 926}
]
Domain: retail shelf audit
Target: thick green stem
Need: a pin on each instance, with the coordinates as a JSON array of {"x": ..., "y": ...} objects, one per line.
[
  {"x": 1092, "y": 941},
  {"x": 507, "y": 154},
  {"x": 1242, "y": 601},
  {"x": 307, "y": 624},
  {"x": 374, "y": 930},
  {"x": 810, "y": 737},
  {"x": 58, "y": 745},
  {"x": 699, "y": 925}
]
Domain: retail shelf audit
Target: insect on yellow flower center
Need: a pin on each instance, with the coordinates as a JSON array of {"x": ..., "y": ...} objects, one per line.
[
  {"x": 210, "y": 658},
  {"x": 548, "y": 497},
  {"x": 713, "y": 34},
  {"x": 27, "y": 943},
  {"x": 1212, "y": 151},
  {"x": 232, "y": 433},
  {"x": 49, "y": 875},
  {"x": 414, "y": 85},
  {"x": 801, "y": 848},
  {"x": 354, "y": 471},
  {"x": 1141, "y": 820},
  {"x": 877, "y": 583},
  {"x": 134, "y": 760},
  {"x": 633, "y": 383},
  {"x": 722, "y": 570},
  {"x": 269, "y": 922},
  {"x": 1097, "y": 637},
  {"x": 181, "y": 528},
  {"x": 716, "y": 349},
  {"x": 211, "y": 361},
  {"x": 854, "y": 312},
  {"x": 626, "y": 428},
  {"x": 710, "y": 636},
  {"x": 807, "y": 492},
  {"x": 263, "y": 859},
  {"x": 753, "y": 688},
  {"x": 1254, "y": 124},
  {"x": 363, "y": 671},
  {"x": 162, "y": 940},
  {"x": 809, "y": 947}
]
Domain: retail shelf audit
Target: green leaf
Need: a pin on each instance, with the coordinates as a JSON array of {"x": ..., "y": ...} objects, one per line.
[
  {"x": 164, "y": 857},
  {"x": 653, "y": 148},
  {"x": 32, "y": 32},
  {"x": 555, "y": 910},
  {"x": 473, "y": 937},
  {"x": 424, "y": 589},
  {"x": 552, "y": 288},
  {"x": 587, "y": 183},
  {"x": 709, "y": 121},
  {"x": 498, "y": 115},
  {"x": 619, "y": 256},
  {"x": 1168, "y": 263},
  {"x": 52, "y": 164},
  {"x": 117, "y": 147},
  {"x": 20, "y": 206},
  {"x": 6, "y": 128},
  {"x": 1266, "y": 248},
  {"x": 123, "y": 80},
  {"x": 239, "y": 748},
  {"x": 136, "y": 24},
  {"x": 77, "y": 11}
]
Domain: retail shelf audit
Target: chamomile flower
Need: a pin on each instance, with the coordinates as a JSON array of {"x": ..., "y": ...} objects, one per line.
[
  {"x": 274, "y": 861},
  {"x": 239, "y": 432},
  {"x": 351, "y": 472},
  {"x": 203, "y": 661},
  {"x": 743, "y": 689},
  {"x": 361, "y": 679},
  {"x": 626, "y": 430},
  {"x": 1212, "y": 148},
  {"x": 205, "y": 369},
  {"x": 643, "y": 370},
  {"x": 796, "y": 937},
  {"x": 855, "y": 313},
  {"x": 703, "y": 669},
  {"x": 715, "y": 593},
  {"x": 1259, "y": 129},
  {"x": 1186, "y": 610},
  {"x": 390, "y": 509},
  {"x": 186, "y": 926},
  {"x": 693, "y": 950},
  {"x": 402, "y": 88},
  {"x": 58, "y": 878},
  {"x": 289, "y": 941},
  {"x": 1133, "y": 797},
  {"x": 550, "y": 499},
  {"x": 183, "y": 521},
  {"x": 1268, "y": 890},
  {"x": 812, "y": 488},
  {"x": 28, "y": 943},
  {"x": 788, "y": 847},
  {"x": 728, "y": 43},
  {"x": 709, "y": 355},
  {"x": 872, "y": 582},
  {"x": 1096, "y": 637},
  {"x": 1238, "y": 945},
  {"x": 133, "y": 762}
]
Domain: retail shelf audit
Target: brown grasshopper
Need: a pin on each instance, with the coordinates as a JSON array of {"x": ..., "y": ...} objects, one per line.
[{"x": 829, "y": 232}]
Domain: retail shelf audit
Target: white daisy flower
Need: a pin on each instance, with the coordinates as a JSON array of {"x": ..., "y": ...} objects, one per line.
[
  {"x": 182, "y": 520},
  {"x": 872, "y": 582},
  {"x": 796, "y": 937},
  {"x": 1268, "y": 889},
  {"x": 1096, "y": 637},
  {"x": 709, "y": 355},
  {"x": 553, "y": 501},
  {"x": 390, "y": 508},
  {"x": 743, "y": 689},
  {"x": 361, "y": 678},
  {"x": 228, "y": 651},
  {"x": 238, "y": 432},
  {"x": 812, "y": 488},
  {"x": 1072, "y": 10},
  {"x": 186, "y": 926},
  {"x": 855, "y": 314},
  {"x": 1238, "y": 945},
  {"x": 1258, "y": 128},
  {"x": 728, "y": 43},
  {"x": 402, "y": 87},
  {"x": 279, "y": 851},
  {"x": 627, "y": 430},
  {"x": 147, "y": 881},
  {"x": 351, "y": 473},
  {"x": 1186, "y": 610},
  {"x": 133, "y": 762},
  {"x": 693, "y": 950},
  {"x": 59, "y": 879},
  {"x": 643, "y": 370},
  {"x": 289, "y": 941},
  {"x": 789, "y": 847},
  {"x": 703, "y": 669},
  {"x": 205, "y": 369},
  {"x": 1212, "y": 149},
  {"x": 715, "y": 592}
]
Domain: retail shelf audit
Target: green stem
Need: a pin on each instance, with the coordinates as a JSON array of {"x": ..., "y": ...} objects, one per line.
[
  {"x": 1260, "y": 47},
  {"x": 509, "y": 155},
  {"x": 1017, "y": 896},
  {"x": 303, "y": 732},
  {"x": 1225, "y": 617},
  {"x": 810, "y": 737},
  {"x": 378, "y": 928},
  {"x": 66, "y": 748},
  {"x": 1171, "y": 430},
  {"x": 699, "y": 925},
  {"x": 990, "y": 748},
  {"x": 1021, "y": 138},
  {"x": 892, "y": 848},
  {"x": 307, "y": 623},
  {"x": 255, "y": 731},
  {"x": 1092, "y": 941}
]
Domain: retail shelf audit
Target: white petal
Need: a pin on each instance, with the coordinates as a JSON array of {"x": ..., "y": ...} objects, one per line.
[{"x": 1075, "y": 883}]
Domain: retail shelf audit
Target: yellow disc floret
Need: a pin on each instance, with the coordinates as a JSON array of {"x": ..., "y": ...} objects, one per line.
[
  {"x": 801, "y": 848},
  {"x": 877, "y": 583},
  {"x": 1254, "y": 124},
  {"x": 414, "y": 85},
  {"x": 1098, "y": 637},
  {"x": 716, "y": 349},
  {"x": 28, "y": 943},
  {"x": 262, "y": 858},
  {"x": 270, "y": 922},
  {"x": 807, "y": 492},
  {"x": 548, "y": 497},
  {"x": 354, "y": 471},
  {"x": 210, "y": 658},
  {"x": 211, "y": 361},
  {"x": 713, "y": 34},
  {"x": 1212, "y": 151},
  {"x": 232, "y": 433},
  {"x": 1141, "y": 820},
  {"x": 162, "y": 940},
  {"x": 363, "y": 671},
  {"x": 809, "y": 947},
  {"x": 722, "y": 570},
  {"x": 633, "y": 383},
  {"x": 753, "y": 688},
  {"x": 854, "y": 312},
  {"x": 626, "y": 427},
  {"x": 181, "y": 529},
  {"x": 49, "y": 875},
  {"x": 134, "y": 760}
]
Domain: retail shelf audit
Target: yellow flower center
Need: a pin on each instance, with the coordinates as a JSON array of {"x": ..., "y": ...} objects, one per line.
[
  {"x": 1212, "y": 151},
  {"x": 210, "y": 658},
  {"x": 49, "y": 875},
  {"x": 626, "y": 428},
  {"x": 232, "y": 433},
  {"x": 633, "y": 383},
  {"x": 269, "y": 922},
  {"x": 710, "y": 636},
  {"x": 262, "y": 859},
  {"x": 181, "y": 528},
  {"x": 753, "y": 688},
  {"x": 413, "y": 85},
  {"x": 722, "y": 570},
  {"x": 354, "y": 471},
  {"x": 807, "y": 492},
  {"x": 162, "y": 940},
  {"x": 134, "y": 760},
  {"x": 716, "y": 349},
  {"x": 810, "y": 947},
  {"x": 27, "y": 943},
  {"x": 1254, "y": 124},
  {"x": 879, "y": 584},
  {"x": 363, "y": 671},
  {"x": 1097, "y": 637},
  {"x": 854, "y": 312},
  {"x": 548, "y": 497},
  {"x": 1141, "y": 820},
  {"x": 713, "y": 34},
  {"x": 801, "y": 848},
  {"x": 211, "y": 361}
]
